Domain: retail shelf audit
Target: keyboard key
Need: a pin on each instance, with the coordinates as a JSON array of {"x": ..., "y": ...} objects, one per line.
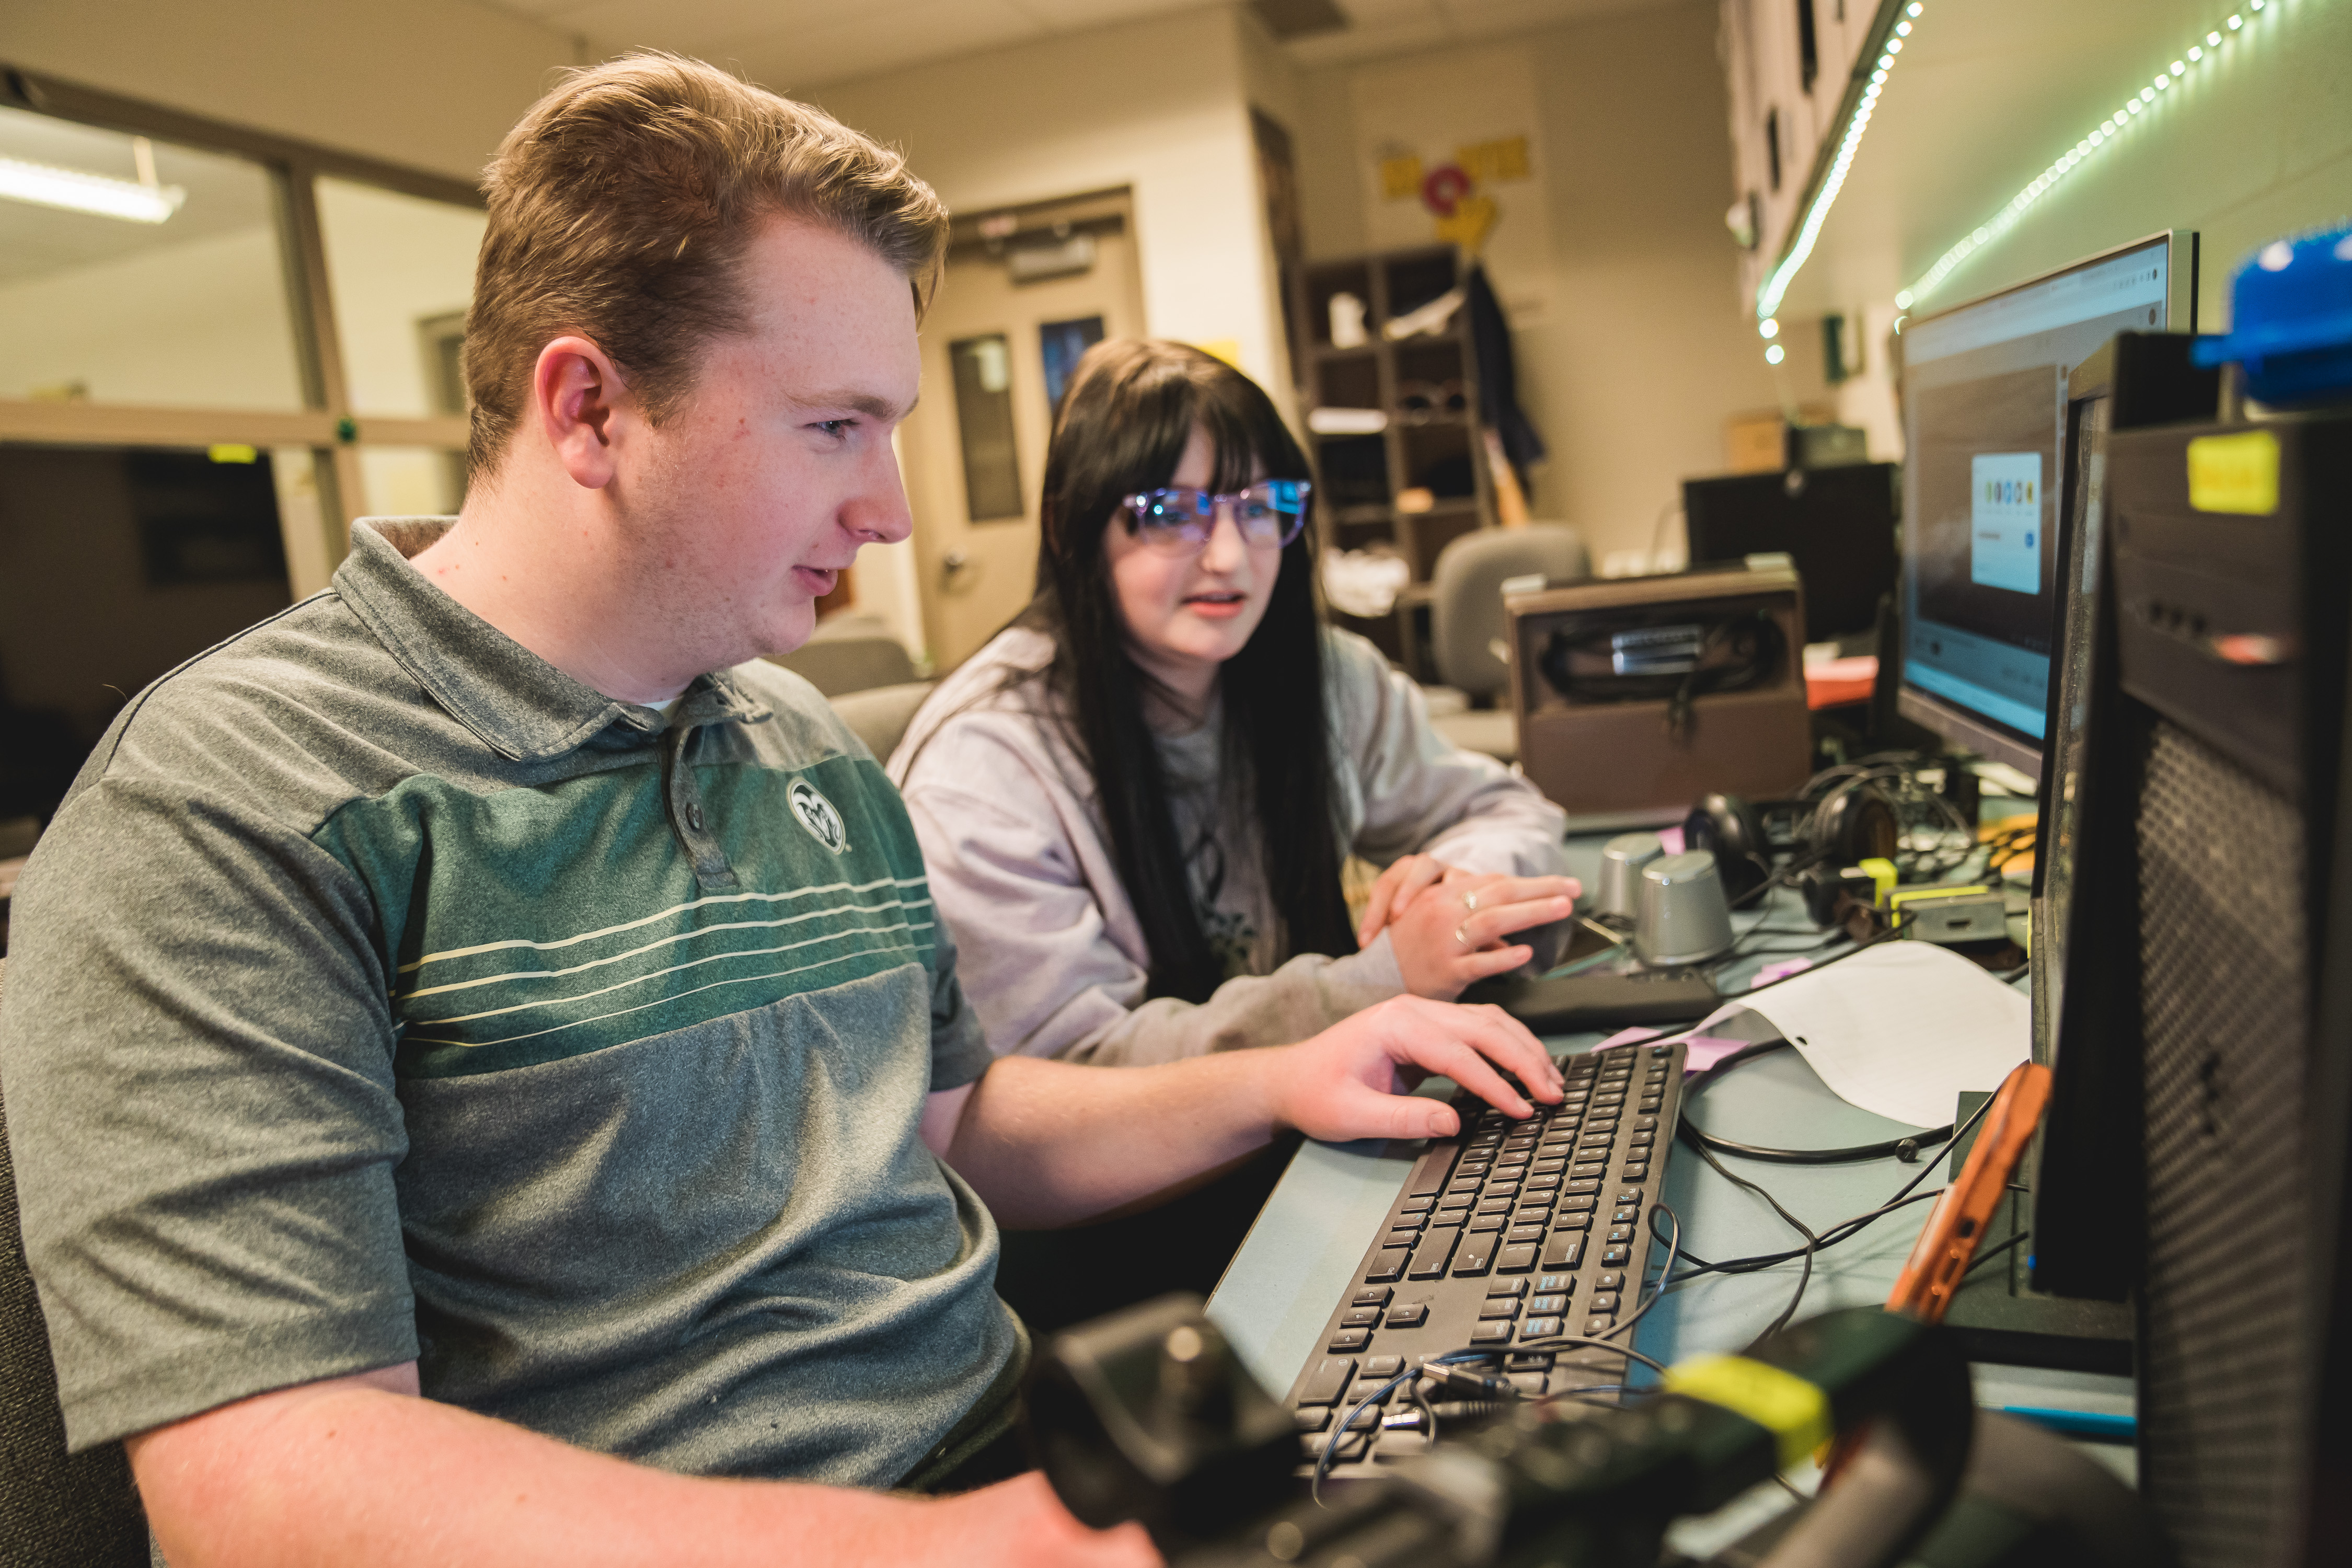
[
  {"x": 1475, "y": 1254},
  {"x": 1519, "y": 1232},
  {"x": 1361, "y": 1318},
  {"x": 1600, "y": 1323},
  {"x": 1539, "y": 1328},
  {"x": 1581, "y": 1184},
  {"x": 1613, "y": 1257},
  {"x": 1541, "y": 1183},
  {"x": 1452, "y": 1202},
  {"x": 1331, "y": 1375},
  {"x": 1428, "y": 1171},
  {"x": 1547, "y": 1306},
  {"x": 1416, "y": 1205},
  {"x": 1531, "y": 1384},
  {"x": 1312, "y": 1417},
  {"x": 1580, "y": 1201},
  {"x": 1548, "y": 1168},
  {"x": 1610, "y": 1281},
  {"x": 1496, "y": 1205},
  {"x": 1554, "y": 1284},
  {"x": 1487, "y": 1222},
  {"x": 1516, "y": 1260},
  {"x": 1506, "y": 1288},
  {"x": 1572, "y": 1222},
  {"x": 1603, "y": 1301},
  {"x": 1629, "y": 1195},
  {"x": 1499, "y": 1306},
  {"x": 1388, "y": 1264},
  {"x": 1351, "y": 1447},
  {"x": 1463, "y": 1187},
  {"x": 1350, "y": 1339},
  {"x": 1371, "y": 1296},
  {"x": 1530, "y": 1360},
  {"x": 1402, "y": 1236},
  {"x": 1406, "y": 1315},
  {"x": 1563, "y": 1250},
  {"x": 1642, "y": 1137},
  {"x": 1645, "y": 1123},
  {"x": 1650, "y": 1104},
  {"x": 1429, "y": 1258},
  {"x": 1629, "y": 1215},
  {"x": 1621, "y": 1232},
  {"x": 1491, "y": 1334},
  {"x": 1445, "y": 1217},
  {"x": 1637, "y": 1170},
  {"x": 1383, "y": 1366}
]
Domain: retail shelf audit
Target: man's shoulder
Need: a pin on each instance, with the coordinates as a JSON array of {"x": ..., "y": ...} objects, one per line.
[{"x": 294, "y": 708}]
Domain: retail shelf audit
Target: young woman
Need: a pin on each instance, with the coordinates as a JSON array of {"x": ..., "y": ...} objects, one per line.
[{"x": 1134, "y": 802}]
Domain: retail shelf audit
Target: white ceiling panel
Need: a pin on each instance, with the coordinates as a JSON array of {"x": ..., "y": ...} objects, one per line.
[{"x": 805, "y": 43}]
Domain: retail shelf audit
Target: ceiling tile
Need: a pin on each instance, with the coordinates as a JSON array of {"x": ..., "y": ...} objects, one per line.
[{"x": 793, "y": 58}]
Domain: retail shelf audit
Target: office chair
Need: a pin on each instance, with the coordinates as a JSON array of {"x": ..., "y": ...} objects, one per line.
[
  {"x": 57, "y": 1512},
  {"x": 1467, "y": 624},
  {"x": 880, "y": 715},
  {"x": 849, "y": 652}
]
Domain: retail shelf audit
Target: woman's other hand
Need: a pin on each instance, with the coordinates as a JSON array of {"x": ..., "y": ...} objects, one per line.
[{"x": 1450, "y": 931}]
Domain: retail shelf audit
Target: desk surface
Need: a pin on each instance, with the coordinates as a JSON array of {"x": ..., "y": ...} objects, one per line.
[{"x": 1302, "y": 1253}]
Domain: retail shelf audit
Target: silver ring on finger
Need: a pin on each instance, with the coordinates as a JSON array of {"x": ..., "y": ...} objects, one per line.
[
  {"x": 1463, "y": 937},
  {"x": 1470, "y": 902}
]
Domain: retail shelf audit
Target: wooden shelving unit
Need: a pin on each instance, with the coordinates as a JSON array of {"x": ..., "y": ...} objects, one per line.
[{"x": 1427, "y": 385}]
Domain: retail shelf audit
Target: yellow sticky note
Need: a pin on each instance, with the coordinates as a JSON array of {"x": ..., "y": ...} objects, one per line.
[
  {"x": 1503, "y": 159},
  {"x": 2235, "y": 473},
  {"x": 232, "y": 452},
  {"x": 1401, "y": 177},
  {"x": 1473, "y": 220},
  {"x": 1226, "y": 349}
]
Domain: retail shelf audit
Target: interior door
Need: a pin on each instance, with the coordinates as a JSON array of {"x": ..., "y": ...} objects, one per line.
[{"x": 1024, "y": 292}]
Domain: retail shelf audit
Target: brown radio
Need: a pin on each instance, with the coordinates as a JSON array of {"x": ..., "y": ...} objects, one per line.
[{"x": 1634, "y": 696}]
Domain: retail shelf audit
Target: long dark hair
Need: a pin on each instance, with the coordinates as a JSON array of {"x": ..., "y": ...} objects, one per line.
[{"x": 1130, "y": 410}]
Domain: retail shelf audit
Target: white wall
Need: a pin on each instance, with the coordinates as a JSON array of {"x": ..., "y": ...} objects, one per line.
[
  {"x": 204, "y": 322},
  {"x": 1632, "y": 350},
  {"x": 1158, "y": 106}
]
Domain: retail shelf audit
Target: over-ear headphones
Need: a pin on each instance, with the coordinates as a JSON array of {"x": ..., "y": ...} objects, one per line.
[{"x": 1854, "y": 822}]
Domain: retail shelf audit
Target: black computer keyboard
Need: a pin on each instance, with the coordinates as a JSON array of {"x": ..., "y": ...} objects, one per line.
[{"x": 1506, "y": 1246}]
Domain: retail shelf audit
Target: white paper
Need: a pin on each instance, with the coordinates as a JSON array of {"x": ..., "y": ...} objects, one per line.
[{"x": 1900, "y": 1029}]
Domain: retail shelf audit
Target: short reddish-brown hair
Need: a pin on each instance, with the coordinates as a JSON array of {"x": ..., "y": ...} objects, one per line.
[{"x": 620, "y": 207}]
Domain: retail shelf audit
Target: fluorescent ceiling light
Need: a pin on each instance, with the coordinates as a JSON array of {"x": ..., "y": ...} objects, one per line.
[{"x": 77, "y": 192}]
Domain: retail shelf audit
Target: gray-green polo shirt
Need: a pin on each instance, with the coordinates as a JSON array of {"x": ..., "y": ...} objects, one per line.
[{"x": 382, "y": 992}]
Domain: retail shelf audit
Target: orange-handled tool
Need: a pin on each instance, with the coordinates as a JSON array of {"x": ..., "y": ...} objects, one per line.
[{"x": 1938, "y": 1265}]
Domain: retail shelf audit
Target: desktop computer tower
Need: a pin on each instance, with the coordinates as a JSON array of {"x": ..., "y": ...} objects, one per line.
[{"x": 2208, "y": 990}]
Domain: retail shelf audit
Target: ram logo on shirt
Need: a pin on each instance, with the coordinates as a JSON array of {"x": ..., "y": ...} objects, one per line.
[{"x": 816, "y": 815}]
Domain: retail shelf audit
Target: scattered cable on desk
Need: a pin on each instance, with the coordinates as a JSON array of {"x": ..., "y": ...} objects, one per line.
[
  {"x": 1904, "y": 1148},
  {"x": 1863, "y": 946},
  {"x": 1989, "y": 1253},
  {"x": 1844, "y": 1230}
]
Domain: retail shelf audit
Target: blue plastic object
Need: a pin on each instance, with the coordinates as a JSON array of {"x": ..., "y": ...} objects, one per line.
[
  {"x": 2291, "y": 310},
  {"x": 2088, "y": 1424}
]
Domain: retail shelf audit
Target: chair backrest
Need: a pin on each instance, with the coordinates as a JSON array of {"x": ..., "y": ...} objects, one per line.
[
  {"x": 1466, "y": 606},
  {"x": 59, "y": 1511},
  {"x": 849, "y": 652},
  {"x": 880, "y": 715}
]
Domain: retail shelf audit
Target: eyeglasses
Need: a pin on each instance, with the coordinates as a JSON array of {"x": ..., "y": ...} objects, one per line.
[{"x": 1178, "y": 520}]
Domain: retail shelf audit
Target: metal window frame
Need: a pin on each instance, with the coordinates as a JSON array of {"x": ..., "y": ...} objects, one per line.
[{"x": 327, "y": 423}]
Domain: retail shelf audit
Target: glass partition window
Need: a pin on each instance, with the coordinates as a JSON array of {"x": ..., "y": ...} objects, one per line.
[
  {"x": 400, "y": 271},
  {"x": 983, "y": 401},
  {"x": 137, "y": 272}
]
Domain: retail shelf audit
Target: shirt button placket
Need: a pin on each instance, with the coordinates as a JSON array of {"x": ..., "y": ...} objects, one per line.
[{"x": 687, "y": 819}]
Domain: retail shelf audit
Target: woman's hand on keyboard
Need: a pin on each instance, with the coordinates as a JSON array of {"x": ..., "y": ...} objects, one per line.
[{"x": 1350, "y": 1081}]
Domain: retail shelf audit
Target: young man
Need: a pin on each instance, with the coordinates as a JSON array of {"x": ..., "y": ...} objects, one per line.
[{"x": 486, "y": 1082}]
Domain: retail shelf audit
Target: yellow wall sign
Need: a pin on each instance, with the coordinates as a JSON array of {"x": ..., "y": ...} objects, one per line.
[
  {"x": 2235, "y": 473},
  {"x": 1488, "y": 162},
  {"x": 1401, "y": 177}
]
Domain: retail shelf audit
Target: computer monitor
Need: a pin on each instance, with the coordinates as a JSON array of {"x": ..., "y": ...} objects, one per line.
[
  {"x": 1984, "y": 405},
  {"x": 1836, "y": 523}
]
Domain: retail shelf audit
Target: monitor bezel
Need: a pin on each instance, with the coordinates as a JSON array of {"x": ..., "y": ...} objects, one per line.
[{"x": 1960, "y": 726}]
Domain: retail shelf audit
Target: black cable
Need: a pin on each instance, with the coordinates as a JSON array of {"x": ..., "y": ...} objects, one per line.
[
  {"x": 1700, "y": 1139},
  {"x": 1989, "y": 1253}
]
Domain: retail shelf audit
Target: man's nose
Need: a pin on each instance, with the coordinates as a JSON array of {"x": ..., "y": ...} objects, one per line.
[{"x": 878, "y": 513}]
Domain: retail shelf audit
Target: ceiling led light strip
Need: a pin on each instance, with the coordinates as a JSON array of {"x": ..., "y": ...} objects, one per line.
[
  {"x": 1776, "y": 286},
  {"x": 2101, "y": 135},
  {"x": 77, "y": 192}
]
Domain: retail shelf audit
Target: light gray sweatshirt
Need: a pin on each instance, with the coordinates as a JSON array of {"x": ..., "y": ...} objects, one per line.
[{"x": 1052, "y": 956}]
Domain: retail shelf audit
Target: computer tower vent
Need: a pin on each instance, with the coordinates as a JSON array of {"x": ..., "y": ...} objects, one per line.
[{"x": 2226, "y": 1354}]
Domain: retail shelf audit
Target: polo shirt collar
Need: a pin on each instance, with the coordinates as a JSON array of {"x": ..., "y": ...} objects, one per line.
[{"x": 520, "y": 706}]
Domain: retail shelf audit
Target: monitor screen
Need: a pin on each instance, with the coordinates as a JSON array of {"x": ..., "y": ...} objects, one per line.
[
  {"x": 1984, "y": 402},
  {"x": 1837, "y": 524}
]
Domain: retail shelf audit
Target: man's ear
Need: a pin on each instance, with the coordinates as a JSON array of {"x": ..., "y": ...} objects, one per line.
[{"x": 580, "y": 398}]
